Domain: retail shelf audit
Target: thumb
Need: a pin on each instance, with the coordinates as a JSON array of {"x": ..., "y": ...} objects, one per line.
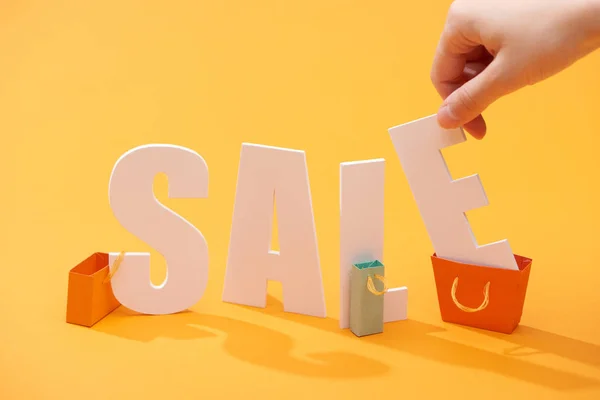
[{"x": 468, "y": 101}]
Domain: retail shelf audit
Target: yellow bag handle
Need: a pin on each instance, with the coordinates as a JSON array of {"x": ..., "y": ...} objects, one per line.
[
  {"x": 371, "y": 285},
  {"x": 115, "y": 267},
  {"x": 486, "y": 298}
]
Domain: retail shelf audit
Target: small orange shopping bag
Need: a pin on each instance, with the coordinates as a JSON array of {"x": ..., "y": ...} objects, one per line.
[
  {"x": 90, "y": 297},
  {"x": 481, "y": 297}
]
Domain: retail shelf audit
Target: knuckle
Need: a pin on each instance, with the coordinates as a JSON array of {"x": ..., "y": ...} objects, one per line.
[
  {"x": 457, "y": 12},
  {"x": 467, "y": 101},
  {"x": 462, "y": 18}
]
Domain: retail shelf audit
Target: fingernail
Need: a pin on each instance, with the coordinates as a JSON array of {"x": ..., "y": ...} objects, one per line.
[
  {"x": 472, "y": 72},
  {"x": 446, "y": 118}
]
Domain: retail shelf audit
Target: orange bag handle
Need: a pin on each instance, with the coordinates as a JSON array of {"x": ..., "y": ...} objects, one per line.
[
  {"x": 115, "y": 267},
  {"x": 371, "y": 285},
  {"x": 486, "y": 298}
]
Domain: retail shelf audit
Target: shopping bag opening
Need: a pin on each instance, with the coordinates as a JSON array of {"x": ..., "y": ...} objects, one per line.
[
  {"x": 369, "y": 264},
  {"x": 91, "y": 265},
  {"x": 523, "y": 262}
]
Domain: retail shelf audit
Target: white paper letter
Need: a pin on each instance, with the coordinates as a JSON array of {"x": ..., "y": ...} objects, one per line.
[
  {"x": 443, "y": 202},
  {"x": 266, "y": 173},
  {"x": 361, "y": 233},
  {"x": 182, "y": 245}
]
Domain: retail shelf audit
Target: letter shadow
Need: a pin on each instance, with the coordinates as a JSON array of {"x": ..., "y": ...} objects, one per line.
[
  {"x": 543, "y": 342},
  {"x": 247, "y": 342},
  {"x": 415, "y": 338}
]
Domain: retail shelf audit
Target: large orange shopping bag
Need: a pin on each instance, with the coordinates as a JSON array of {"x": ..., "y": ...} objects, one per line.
[
  {"x": 90, "y": 297},
  {"x": 481, "y": 297}
]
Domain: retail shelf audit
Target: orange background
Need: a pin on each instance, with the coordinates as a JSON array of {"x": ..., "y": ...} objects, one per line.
[{"x": 83, "y": 82}]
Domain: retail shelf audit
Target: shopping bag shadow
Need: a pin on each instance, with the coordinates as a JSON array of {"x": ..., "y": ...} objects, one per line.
[{"x": 530, "y": 341}]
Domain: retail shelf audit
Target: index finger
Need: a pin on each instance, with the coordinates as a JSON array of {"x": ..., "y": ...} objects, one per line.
[{"x": 452, "y": 54}]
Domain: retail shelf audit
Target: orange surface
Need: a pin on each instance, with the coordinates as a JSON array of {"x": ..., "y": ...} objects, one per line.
[{"x": 82, "y": 82}]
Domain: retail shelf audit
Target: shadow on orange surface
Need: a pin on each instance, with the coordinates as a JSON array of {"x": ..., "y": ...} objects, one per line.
[
  {"x": 543, "y": 342},
  {"x": 245, "y": 341},
  {"x": 413, "y": 337}
]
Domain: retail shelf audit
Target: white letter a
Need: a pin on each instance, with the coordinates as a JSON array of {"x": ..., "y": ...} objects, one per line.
[{"x": 266, "y": 173}]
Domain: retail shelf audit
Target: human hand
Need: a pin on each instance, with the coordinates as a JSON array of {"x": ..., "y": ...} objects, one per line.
[{"x": 490, "y": 48}]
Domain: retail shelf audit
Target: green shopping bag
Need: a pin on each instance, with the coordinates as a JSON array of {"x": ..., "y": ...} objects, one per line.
[{"x": 366, "y": 299}]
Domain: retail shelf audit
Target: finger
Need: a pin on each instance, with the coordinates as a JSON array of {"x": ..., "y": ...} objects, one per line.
[
  {"x": 467, "y": 102},
  {"x": 471, "y": 70},
  {"x": 450, "y": 59},
  {"x": 479, "y": 54},
  {"x": 477, "y": 127}
]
